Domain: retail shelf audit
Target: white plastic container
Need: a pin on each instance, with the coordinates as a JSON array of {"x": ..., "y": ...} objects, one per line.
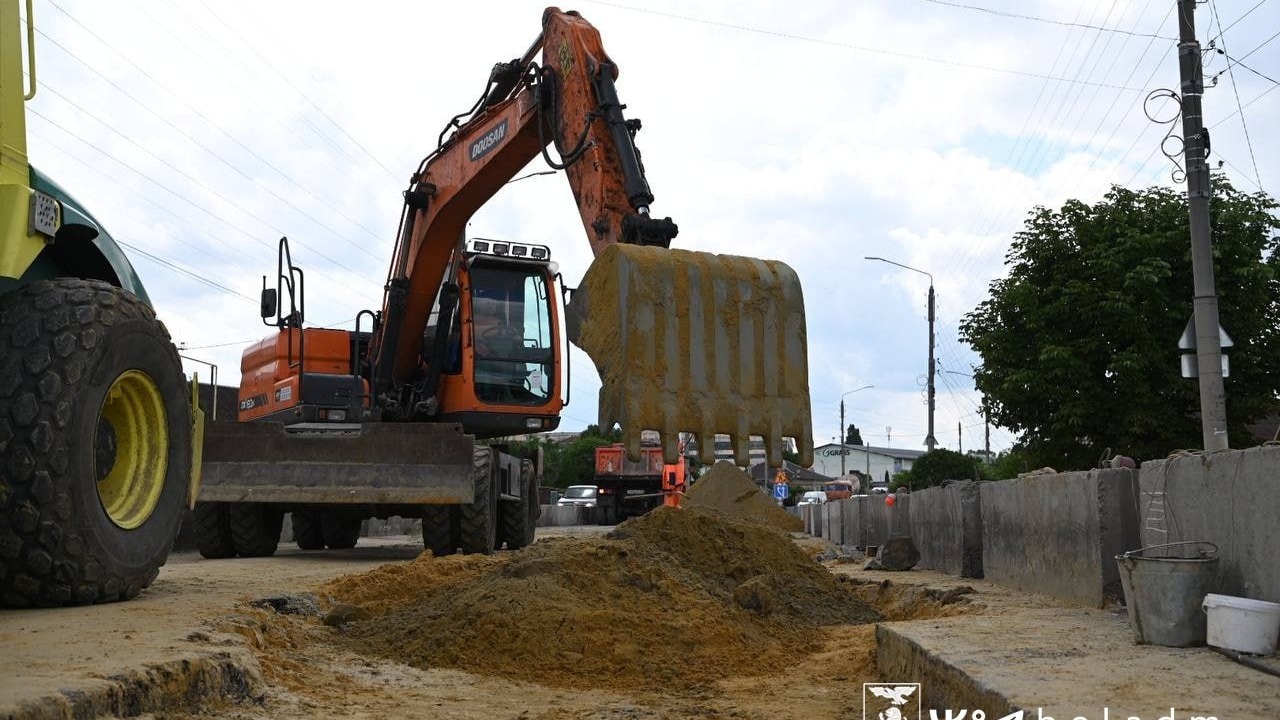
[{"x": 1242, "y": 624}]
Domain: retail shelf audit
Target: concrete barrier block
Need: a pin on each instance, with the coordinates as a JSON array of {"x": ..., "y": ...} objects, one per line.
[
  {"x": 849, "y": 518},
  {"x": 1231, "y": 499},
  {"x": 1058, "y": 534},
  {"x": 833, "y": 525},
  {"x": 874, "y": 521},
  {"x": 946, "y": 525}
]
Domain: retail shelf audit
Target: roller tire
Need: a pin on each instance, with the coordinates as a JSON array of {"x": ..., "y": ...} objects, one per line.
[
  {"x": 341, "y": 529},
  {"x": 213, "y": 531},
  {"x": 440, "y": 529},
  {"x": 307, "y": 531},
  {"x": 64, "y": 344},
  {"x": 520, "y": 520},
  {"x": 478, "y": 520},
  {"x": 255, "y": 529}
]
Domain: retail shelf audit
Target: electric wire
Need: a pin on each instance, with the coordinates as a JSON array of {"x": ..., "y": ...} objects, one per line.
[
  {"x": 1235, "y": 90},
  {"x": 208, "y": 150},
  {"x": 1003, "y": 13},
  {"x": 174, "y": 94},
  {"x": 845, "y": 45}
]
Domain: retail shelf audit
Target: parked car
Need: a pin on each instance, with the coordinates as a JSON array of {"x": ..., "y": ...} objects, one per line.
[
  {"x": 813, "y": 497},
  {"x": 579, "y": 496}
]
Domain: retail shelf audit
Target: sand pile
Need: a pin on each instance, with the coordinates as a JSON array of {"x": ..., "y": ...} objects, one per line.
[
  {"x": 675, "y": 598},
  {"x": 729, "y": 490}
]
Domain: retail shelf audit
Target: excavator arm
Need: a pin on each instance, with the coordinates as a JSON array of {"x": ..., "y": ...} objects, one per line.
[{"x": 683, "y": 340}]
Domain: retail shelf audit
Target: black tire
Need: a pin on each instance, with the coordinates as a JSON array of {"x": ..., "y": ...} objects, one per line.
[
  {"x": 213, "y": 531},
  {"x": 255, "y": 529},
  {"x": 478, "y": 520},
  {"x": 306, "y": 529},
  {"x": 440, "y": 529},
  {"x": 520, "y": 520},
  {"x": 89, "y": 381},
  {"x": 341, "y": 528}
]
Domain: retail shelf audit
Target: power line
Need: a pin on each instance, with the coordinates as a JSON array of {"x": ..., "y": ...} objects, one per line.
[
  {"x": 851, "y": 46},
  {"x": 1235, "y": 90},
  {"x": 1246, "y": 14},
  {"x": 1050, "y": 21},
  {"x": 172, "y": 93},
  {"x": 202, "y": 146}
]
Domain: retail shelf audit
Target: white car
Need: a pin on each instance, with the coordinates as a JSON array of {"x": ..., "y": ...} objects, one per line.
[
  {"x": 812, "y": 497},
  {"x": 579, "y": 496}
]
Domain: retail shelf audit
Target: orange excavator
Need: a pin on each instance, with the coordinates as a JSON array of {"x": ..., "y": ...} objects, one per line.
[{"x": 336, "y": 426}]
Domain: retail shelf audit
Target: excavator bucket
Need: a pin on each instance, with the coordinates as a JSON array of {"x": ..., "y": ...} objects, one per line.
[{"x": 689, "y": 341}]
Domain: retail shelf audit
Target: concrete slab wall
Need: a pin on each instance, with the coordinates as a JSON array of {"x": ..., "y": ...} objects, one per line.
[
  {"x": 878, "y": 522},
  {"x": 833, "y": 522},
  {"x": 850, "y": 521},
  {"x": 946, "y": 525},
  {"x": 1229, "y": 498},
  {"x": 1058, "y": 534}
]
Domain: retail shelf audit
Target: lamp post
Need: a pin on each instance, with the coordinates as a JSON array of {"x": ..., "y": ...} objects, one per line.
[
  {"x": 844, "y": 433},
  {"x": 929, "y": 439}
]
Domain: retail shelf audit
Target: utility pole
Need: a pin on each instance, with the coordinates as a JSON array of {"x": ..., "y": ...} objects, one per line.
[
  {"x": 986, "y": 421},
  {"x": 930, "y": 441},
  {"x": 1213, "y": 405},
  {"x": 959, "y": 437},
  {"x": 844, "y": 430}
]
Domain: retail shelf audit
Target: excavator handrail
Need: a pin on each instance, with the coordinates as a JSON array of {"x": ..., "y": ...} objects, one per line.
[{"x": 31, "y": 48}]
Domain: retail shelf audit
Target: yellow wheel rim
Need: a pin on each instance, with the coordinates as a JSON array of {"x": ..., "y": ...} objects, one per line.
[{"x": 131, "y": 449}]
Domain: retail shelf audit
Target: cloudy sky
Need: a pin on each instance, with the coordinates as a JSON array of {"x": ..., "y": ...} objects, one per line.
[{"x": 816, "y": 133}]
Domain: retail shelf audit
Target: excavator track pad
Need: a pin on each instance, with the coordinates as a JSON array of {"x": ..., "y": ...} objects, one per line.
[
  {"x": 398, "y": 463},
  {"x": 688, "y": 341}
]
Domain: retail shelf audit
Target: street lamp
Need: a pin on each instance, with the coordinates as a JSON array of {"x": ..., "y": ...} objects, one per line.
[
  {"x": 929, "y": 439},
  {"x": 844, "y": 433}
]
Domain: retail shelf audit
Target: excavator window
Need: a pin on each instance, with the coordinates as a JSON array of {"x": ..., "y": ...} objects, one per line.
[{"x": 511, "y": 326}]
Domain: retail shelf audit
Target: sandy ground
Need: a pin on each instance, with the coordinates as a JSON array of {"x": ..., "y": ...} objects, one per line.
[{"x": 199, "y": 606}]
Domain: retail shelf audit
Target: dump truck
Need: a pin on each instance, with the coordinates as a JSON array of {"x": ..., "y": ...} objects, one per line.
[
  {"x": 403, "y": 414},
  {"x": 97, "y": 425}
]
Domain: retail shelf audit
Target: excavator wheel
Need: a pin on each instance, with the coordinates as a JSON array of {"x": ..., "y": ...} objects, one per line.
[
  {"x": 255, "y": 529},
  {"x": 440, "y": 529},
  {"x": 520, "y": 520},
  {"x": 213, "y": 531},
  {"x": 95, "y": 444},
  {"x": 307, "y": 531},
  {"x": 478, "y": 521},
  {"x": 340, "y": 527}
]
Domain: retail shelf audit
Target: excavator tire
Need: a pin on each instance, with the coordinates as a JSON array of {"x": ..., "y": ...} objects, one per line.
[
  {"x": 255, "y": 529},
  {"x": 520, "y": 520},
  {"x": 307, "y": 531},
  {"x": 95, "y": 444},
  {"x": 341, "y": 528},
  {"x": 440, "y": 529},
  {"x": 478, "y": 521},
  {"x": 213, "y": 531}
]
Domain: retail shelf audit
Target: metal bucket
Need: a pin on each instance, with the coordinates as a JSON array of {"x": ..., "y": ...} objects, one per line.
[{"x": 1164, "y": 586}]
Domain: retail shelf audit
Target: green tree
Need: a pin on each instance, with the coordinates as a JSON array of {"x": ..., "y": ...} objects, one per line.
[
  {"x": 573, "y": 462},
  {"x": 932, "y": 468},
  {"x": 1078, "y": 343},
  {"x": 853, "y": 436}
]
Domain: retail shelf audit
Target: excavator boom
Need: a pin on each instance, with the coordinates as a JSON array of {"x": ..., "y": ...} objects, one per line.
[{"x": 683, "y": 341}]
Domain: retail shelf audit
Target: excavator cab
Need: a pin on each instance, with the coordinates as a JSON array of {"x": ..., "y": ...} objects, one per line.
[{"x": 502, "y": 362}]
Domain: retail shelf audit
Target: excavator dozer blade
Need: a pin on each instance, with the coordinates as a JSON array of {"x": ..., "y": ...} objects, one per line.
[
  {"x": 689, "y": 341},
  {"x": 392, "y": 463}
]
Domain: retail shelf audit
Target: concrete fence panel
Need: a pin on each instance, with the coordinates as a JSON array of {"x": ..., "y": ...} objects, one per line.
[
  {"x": 946, "y": 525},
  {"x": 1231, "y": 499},
  {"x": 1058, "y": 534}
]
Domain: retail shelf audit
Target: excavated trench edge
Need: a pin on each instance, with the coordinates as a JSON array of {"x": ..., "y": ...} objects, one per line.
[
  {"x": 943, "y": 685},
  {"x": 186, "y": 684}
]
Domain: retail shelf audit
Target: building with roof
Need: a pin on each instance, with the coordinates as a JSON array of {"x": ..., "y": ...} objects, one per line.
[{"x": 874, "y": 461}]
